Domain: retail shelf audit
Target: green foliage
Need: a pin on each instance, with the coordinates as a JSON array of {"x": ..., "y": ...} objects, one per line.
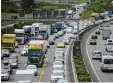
[
  {"x": 9, "y": 7},
  {"x": 82, "y": 74},
  {"x": 97, "y": 6}
]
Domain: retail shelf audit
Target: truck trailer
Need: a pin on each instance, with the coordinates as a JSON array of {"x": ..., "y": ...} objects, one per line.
[
  {"x": 35, "y": 29},
  {"x": 106, "y": 34},
  {"x": 24, "y": 76},
  {"x": 8, "y": 41},
  {"x": 45, "y": 31},
  {"x": 20, "y": 36}
]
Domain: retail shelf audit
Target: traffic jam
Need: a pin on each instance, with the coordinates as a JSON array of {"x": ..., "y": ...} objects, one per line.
[{"x": 30, "y": 45}]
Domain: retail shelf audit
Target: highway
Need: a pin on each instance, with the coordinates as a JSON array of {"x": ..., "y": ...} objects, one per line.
[
  {"x": 44, "y": 73},
  {"x": 94, "y": 65}
]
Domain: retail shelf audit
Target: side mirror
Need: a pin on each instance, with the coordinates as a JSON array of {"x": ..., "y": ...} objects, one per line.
[{"x": 100, "y": 60}]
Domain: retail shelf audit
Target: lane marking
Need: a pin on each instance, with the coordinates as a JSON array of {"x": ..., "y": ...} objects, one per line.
[
  {"x": 42, "y": 69},
  {"x": 90, "y": 60}
]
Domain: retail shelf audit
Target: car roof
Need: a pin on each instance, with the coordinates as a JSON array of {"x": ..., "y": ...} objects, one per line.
[
  {"x": 97, "y": 51},
  {"x": 107, "y": 57}
]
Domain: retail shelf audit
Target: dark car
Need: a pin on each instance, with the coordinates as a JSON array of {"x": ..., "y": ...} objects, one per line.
[
  {"x": 94, "y": 37},
  {"x": 93, "y": 42},
  {"x": 97, "y": 32}
]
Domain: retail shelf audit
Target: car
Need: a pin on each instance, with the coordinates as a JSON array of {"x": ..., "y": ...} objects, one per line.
[
  {"x": 13, "y": 63},
  {"x": 107, "y": 25},
  {"x": 109, "y": 45},
  {"x": 94, "y": 37},
  {"x": 51, "y": 40},
  {"x": 5, "y": 52},
  {"x": 16, "y": 44},
  {"x": 109, "y": 48},
  {"x": 106, "y": 63},
  {"x": 97, "y": 32},
  {"x": 60, "y": 45},
  {"x": 14, "y": 57},
  {"x": 93, "y": 42},
  {"x": 56, "y": 75},
  {"x": 34, "y": 68},
  {"x": 24, "y": 51},
  {"x": 58, "y": 67},
  {"x": 59, "y": 59},
  {"x": 66, "y": 41},
  {"x": 72, "y": 36},
  {"x": 47, "y": 44},
  {"x": 56, "y": 35},
  {"x": 97, "y": 55},
  {"x": 62, "y": 81},
  {"x": 6, "y": 65},
  {"x": 5, "y": 76},
  {"x": 59, "y": 50},
  {"x": 58, "y": 63}
]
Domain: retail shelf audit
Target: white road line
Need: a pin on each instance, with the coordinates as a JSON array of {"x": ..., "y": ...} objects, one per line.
[{"x": 90, "y": 59}]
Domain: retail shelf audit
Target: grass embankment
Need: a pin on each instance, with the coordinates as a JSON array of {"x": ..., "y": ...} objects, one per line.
[
  {"x": 81, "y": 70},
  {"x": 97, "y": 6},
  {"x": 9, "y": 7}
]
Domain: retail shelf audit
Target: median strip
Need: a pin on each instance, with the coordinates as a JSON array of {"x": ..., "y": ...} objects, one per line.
[{"x": 81, "y": 70}]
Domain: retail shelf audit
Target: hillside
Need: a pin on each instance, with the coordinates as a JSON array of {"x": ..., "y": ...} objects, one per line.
[{"x": 97, "y": 6}]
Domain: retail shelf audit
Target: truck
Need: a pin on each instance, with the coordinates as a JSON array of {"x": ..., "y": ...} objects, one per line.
[
  {"x": 106, "y": 34},
  {"x": 45, "y": 31},
  {"x": 24, "y": 76},
  {"x": 20, "y": 36},
  {"x": 53, "y": 29},
  {"x": 36, "y": 52},
  {"x": 59, "y": 26},
  {"x": 70, "y": 14},
  {"x": 35, "y": 29},
  {"x": 8, "y": 41},
  {"x": 27, "y": 30}
]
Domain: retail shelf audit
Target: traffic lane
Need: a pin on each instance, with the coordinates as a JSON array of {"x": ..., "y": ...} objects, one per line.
[
  {"x": 104, "y": 77},
  {"x": 48, "y": 68}
]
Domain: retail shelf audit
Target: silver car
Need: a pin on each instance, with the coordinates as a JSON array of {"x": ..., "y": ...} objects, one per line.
[
  {"x": 5, "y": 52},
  {"x": 5, "y": 76},
  {"x": 13, "y": 63}
]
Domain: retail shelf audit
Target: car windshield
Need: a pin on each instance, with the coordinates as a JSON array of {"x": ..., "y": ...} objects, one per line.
[
  {"x": 7, "y": 44},
  {"x": 108, "y": 61},
  {"x": 109, "y": 43},
  {"x": 35, "y": 52},
  {"x": 19, "y": 35},
  {"x": 57, "y": 63},
  {"x": 12, "y": 57}
]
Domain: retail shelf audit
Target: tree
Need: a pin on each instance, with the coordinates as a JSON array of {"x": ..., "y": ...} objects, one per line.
[{"x": 27, "y": 5}]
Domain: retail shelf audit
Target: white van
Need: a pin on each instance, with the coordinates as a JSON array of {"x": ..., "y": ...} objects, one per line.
[
  {"x": 106, "y": 63},
  {"x": 109, "y": 45}
]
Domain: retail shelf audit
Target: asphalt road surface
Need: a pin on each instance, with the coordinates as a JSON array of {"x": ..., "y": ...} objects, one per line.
[{"x": 94, "y": 65}]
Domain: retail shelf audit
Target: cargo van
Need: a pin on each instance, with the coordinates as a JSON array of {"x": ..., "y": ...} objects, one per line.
[
  {"x": 106, "y": 63},
  {"x": 106, "y": 34}
]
